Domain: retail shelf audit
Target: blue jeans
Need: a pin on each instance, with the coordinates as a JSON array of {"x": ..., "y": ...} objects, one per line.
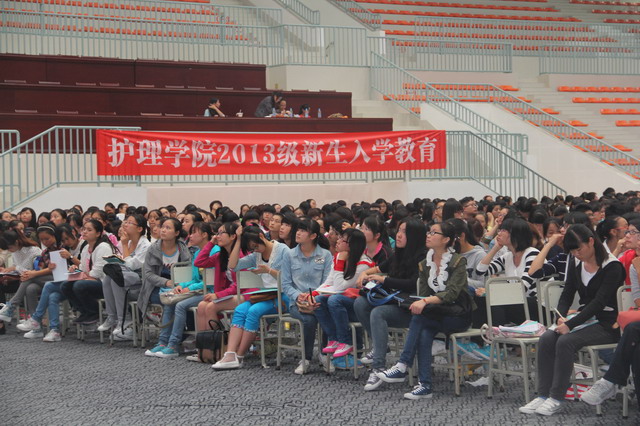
[
  {"x": 334, "y": 315},
  {"x": 172, "y": 334},
  {"x": 310, "y": 323},
  {"x": 50, "y": 298},
  {"x": 83, "y": 295},
  {"x": 422, "y": 330},
  {"x": 377, "y": 320},
  {"x": 247, "y": 315}
]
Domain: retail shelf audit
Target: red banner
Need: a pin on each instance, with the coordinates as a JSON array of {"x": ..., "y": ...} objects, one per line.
[{"x": 154, "y": 153}]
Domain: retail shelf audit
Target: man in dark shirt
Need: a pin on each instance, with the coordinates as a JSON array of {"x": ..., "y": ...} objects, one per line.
[{"x": 266, "y": 106}]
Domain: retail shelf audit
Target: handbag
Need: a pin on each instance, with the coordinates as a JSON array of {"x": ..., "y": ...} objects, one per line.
[
  {"x": 627, "y": 317},
  {"x": 463, "y": 305},
  {"x": 169, "y": 298},
  {"x": 211, "y": 344},
  {"x": 378, "y": 296},
  {"x": 263, "y": 297}
]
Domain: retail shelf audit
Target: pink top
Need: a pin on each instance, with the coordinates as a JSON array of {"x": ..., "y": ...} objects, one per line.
[{"x": 221, "y": 286}]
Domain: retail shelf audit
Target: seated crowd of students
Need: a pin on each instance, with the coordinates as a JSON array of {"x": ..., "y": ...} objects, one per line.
[{"x": 328, "y": 260}]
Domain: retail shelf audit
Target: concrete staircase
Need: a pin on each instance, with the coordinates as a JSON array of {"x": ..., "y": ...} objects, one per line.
[{"x": 548, "y": 97}]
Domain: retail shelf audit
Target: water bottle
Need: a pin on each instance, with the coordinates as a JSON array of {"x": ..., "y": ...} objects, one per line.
[
  {"x": 319, "y": 113},
  {"x": 273, "y": 112},
  {"x": 306, "y": 113},
  {"x": 290, "y": 112}
]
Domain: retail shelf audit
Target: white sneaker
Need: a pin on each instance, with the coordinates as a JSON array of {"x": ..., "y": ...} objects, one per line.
[
  {"x": 549, "y": 407},
  {"x": 193, "y": 358},
  {"x": 438, "y": 347},
  {"x": 28, "y": 325},
  {"x": 303, "y": 367},
  {"x": 107, "y": 325},
  {"x": 34, "y": 334},
  {"x": 323, "y": 362},
  {"x": 599, "y": 392},
  {"x": 6, "y": 313},
  {"x": 52, "y": 336},
  {"x": 373, "y": 382},
  {"x": 531, "y": 407},
  {"x": 228, "y": 365},
  {"x": 367, "y": 359},
  {"x": 121, "y": 336}
]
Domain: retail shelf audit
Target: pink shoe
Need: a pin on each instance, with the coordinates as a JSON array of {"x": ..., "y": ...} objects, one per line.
[
  {"x": 342, "y": 350},
  {"x": 331, "y": 347}
]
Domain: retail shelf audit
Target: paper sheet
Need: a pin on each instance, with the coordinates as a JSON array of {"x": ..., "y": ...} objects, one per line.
[{"x": 60, "y": 273}]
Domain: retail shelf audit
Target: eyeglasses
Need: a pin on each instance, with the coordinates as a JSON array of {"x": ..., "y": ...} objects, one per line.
[
  {"x": 631, "y": 232},
  {"x": 502, "y": 230},
  {"x": 471, "y": 205},
  {"x": 222, "y": 232},
  {"x": 432, "y": 233}
]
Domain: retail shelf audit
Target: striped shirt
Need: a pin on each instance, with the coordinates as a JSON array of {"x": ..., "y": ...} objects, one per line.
[{"x": 503, "y": 265}]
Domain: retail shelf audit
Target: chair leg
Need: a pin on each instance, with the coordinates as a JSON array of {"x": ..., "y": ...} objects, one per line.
[
  {"x": 279, "y": 344},
  {"x": 456, "y": 371},
  {"x": 525, "y": 370},
  {"x": 263, "y": 334},
  {"x": 492, "y": 354},
  {"x": 594, "y": 372},
  {"x": 302, "y": 354},
  {"x": 100, "y": 312},
  {"x": 356, "y": 372},
  {"x": 134, "y": 322},
  {"x": 625, "y": 401}
]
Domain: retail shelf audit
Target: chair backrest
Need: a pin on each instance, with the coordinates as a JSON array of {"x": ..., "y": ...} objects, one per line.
[
  {"x": 247, "y": 279},
  {"x": 550, "y": 296},
  {"x": 181, "y": 272},
  {"x": 505, "y": 291},
  {"x": 208, "y": 278},
  {"x": 625, "y": 300}
]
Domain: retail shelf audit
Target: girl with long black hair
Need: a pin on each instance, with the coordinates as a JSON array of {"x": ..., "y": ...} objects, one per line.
[
  {"x": 402, "y": 270},
  {"x": 85, "y": 292}
]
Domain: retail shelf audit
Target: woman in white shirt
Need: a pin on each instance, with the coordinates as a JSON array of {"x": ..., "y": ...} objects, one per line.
[
  {"x": 516, "y": 236},
  {"x": 265, "y": 260},
  {"x": 85, "y": 292},
  {"x": 122, "y": 277},
  {"x": 348, "y": 263}
]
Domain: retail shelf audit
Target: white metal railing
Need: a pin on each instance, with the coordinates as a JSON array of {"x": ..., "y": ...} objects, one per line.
[
  {"x": 66, "y": 155},
  {"x": 391, "y": 81},
  {"x": 528, "y": 35},
  {"x": 438, "y": 55},
  {"x": 177, "y": 11},
  {"x": 144, "y": 38},
  {"x": 352, "y": 8},
  {"x": 476, "y": 157},
  {"x": 561, "y": 59},
  {"x": 301, "y": 10},
  {"x": 561, "y": 129},
  {"x": 8, "y": 139},
  {"x": 62, "y": 154},
  {"x": 324, "y": 45}
]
